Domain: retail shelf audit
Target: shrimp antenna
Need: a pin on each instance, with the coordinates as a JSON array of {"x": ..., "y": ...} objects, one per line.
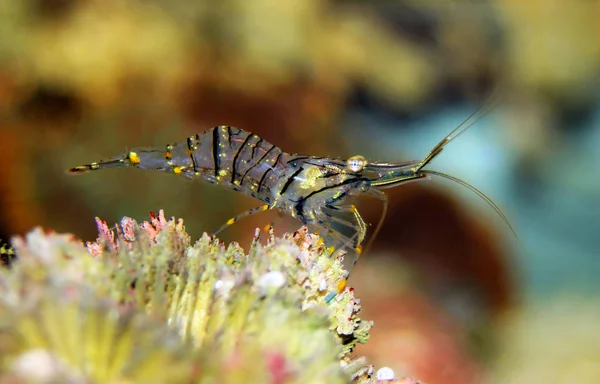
[
  {"x": 478, "y": 193},
  {"x": 473, "y": 118},
  {"x": 481, "y": 112}
]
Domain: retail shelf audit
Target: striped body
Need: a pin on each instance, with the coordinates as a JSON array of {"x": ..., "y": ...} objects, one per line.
[
  {"x": 302, "y": 186},
  {"x": 315, "y": 190},
  {"x": 227, "y": 156},
  {"x": 244, "y": 162}
]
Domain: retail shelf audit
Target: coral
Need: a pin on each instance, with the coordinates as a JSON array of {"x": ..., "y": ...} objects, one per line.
[{"x": 144, "y": 304}]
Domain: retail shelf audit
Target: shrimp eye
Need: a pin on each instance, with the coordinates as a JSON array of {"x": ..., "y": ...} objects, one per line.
[{"x": 356, "y": 163}]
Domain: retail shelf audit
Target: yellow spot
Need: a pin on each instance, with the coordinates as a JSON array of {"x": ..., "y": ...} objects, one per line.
[
  {"x": 320, "y": 242},
  {"x": 353, "y": 208},
  {"x": 358, "y": 250},
  {"x": 177, "y": 170},
  {"x": 134, "y": 158},
  {"x": 94, "y": 166},
  {"x": 267, "y": 228},
  {"x": 231, "y": 221},
  {"x": 168, "y": 155},
  {"x": 265, "y": 207},
  {"x": 222, "y": 172},
  {"x": 310, "y": 178},
  {"x": 341, "y": 285}
]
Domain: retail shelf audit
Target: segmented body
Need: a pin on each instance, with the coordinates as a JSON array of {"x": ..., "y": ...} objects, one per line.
[
  {"x": 309, "y": 188},
  {"x": 316, "y": 190}
]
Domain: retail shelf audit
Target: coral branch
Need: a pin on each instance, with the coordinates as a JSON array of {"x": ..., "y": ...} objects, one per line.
[{"x": 144, "y": 304}]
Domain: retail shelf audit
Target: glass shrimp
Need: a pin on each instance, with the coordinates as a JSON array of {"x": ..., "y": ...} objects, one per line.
[{"x": 315, "y": 190}]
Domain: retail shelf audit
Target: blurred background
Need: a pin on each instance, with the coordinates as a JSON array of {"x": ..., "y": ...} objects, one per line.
[{"x": 455, "y": 298}]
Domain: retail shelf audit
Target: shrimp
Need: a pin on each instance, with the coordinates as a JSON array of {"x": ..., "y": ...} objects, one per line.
[{"x": 315, "y": 190}]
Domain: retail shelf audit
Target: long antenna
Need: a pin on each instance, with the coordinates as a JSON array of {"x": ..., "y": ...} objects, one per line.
[
  {"x": 481, "y": 112},
  {"x": 478, "y": 193},
  {"x": 473, "y": 118}
]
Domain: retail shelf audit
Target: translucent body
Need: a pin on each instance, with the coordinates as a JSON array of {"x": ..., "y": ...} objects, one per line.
[{"x": 315, "y": 190}]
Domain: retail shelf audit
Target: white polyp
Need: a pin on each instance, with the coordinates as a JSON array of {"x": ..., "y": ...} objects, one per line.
[
  {"x": 385, "y": 373},
  {"x": 308, "y": 305},
  {"x": 223, "y": 287},
  {"x": 36, "y": 365},
  {"x": 218, "y": 284},
  {"x": 40, "y": 366},
  {"x": 322, "y": 285},
  {"x": 272, "y": 279}
]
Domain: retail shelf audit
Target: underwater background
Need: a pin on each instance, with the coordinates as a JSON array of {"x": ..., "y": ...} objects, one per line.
[{"x": 453, "y": 295}]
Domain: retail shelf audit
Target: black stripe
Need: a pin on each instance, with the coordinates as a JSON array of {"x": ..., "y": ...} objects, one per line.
[
  {"x": 334, "y": 199},
  {"x": 264, "y": 176},
  {"x": 258, "y": 162},
  {"x": 300, "y": 211},
  {"x": 290, "y": 180},
  {"x": 216, "y": 149},
  {"x": 347, "y": 181},
  {"x": 235, "y": 157},
  {"x": 190, "y": 143},
  {"x": 300, "y": 158},
  {"x": 230, "y": 128},
  {"x": 254, "y": 148},
  {"x": 229, "y": 135},
  {"x": 315, "y": 164}
]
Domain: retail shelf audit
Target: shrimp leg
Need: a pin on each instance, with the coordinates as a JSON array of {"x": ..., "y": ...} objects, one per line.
[
  {"x": 250, "y": 212},
  {"x": 360, "y": 226},
  {"x": 271, "y": 225},
  {"x": 344, "y": 241},
  {"x": 384, "y": 199}
]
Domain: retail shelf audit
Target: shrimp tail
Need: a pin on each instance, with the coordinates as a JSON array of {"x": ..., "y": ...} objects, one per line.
[{"x": 127, "y": 160}]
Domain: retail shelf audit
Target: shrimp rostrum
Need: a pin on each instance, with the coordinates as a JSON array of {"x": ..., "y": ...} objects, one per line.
[{"x": 317, "y": 191}]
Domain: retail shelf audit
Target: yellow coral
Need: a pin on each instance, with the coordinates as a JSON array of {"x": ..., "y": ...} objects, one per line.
[{"x": 148, "y": 306}]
